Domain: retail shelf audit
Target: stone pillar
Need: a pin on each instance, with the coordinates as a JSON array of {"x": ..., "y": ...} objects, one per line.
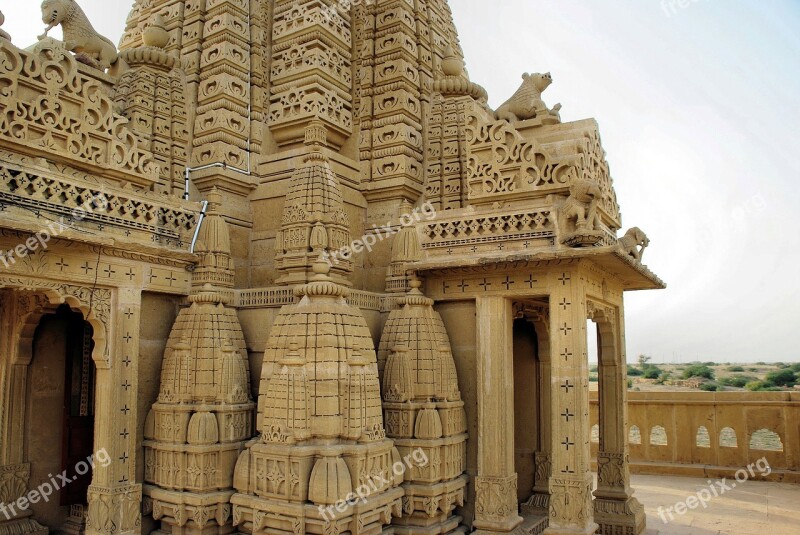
[
  {"x": 615, "y": 508},
  {"x": 496, "y": 508},
  {"x": 570, "y": 481},
  {"x": 539, "y": 502},
  {"x": 114, "y": 497},
  {"x": 14, "y": 472}
]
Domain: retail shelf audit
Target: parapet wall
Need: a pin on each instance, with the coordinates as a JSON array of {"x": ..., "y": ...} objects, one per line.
[{"x": 711, "y": 434}]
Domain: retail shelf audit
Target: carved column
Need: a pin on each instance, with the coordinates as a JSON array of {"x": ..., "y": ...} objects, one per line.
[
  {"x": 114, "y": 497},
  {"x": 14, "y": 471},
  {"x": 539, "y": 502},
  {"x": 570, "y": 480},
  {"x": 496, "y": 483},
  {"x": 615, "y": 508}
]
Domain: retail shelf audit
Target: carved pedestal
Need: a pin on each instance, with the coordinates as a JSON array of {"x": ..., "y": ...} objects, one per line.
[
  {"x": 615, "y": 508},
  {"x": 114, "y": 510},
  {"x": 14, "y": 485}
]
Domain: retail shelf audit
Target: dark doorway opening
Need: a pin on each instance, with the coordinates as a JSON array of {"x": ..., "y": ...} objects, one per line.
[{"x": 63, "y": 341}]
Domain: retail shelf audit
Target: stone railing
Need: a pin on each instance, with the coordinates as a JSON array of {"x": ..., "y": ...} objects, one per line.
[
  {"x": 64, "y": 192},
  {"x": 711, "y": 434},
  {"x": 279, "y": 296},
  {"x": 468, "y": 232}
]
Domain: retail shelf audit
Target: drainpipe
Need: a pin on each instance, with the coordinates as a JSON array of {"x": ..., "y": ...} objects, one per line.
[{"x": 199, "y": 225}]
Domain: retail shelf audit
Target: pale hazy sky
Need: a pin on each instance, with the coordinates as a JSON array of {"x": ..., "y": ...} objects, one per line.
[{"x": 699, "y": 112}]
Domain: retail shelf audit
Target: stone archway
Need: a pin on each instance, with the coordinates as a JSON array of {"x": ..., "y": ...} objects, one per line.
[
  {"x": 533, "y": 487},
  {"x": 23, "y": 303},
  {"x": 615, "y": 507},
  {"x": 59, "y": 424}
]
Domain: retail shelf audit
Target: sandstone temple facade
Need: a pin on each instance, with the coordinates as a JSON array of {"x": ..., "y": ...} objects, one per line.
[{"x": 276, "y": 267}]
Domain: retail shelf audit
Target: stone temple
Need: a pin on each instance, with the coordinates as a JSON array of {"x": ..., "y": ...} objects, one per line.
[{"x": 276, "y": 267}]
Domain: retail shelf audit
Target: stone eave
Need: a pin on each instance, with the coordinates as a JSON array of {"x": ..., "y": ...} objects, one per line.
[
  {"x": 634, "y": 276},
  {"x": 125, "y": 247}
]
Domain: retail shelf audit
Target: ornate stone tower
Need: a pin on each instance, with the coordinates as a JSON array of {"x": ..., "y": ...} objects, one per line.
[
  {"x": 314, "y": 222},
  {"x": 153, "y": 96},
  {"x": 204, "y": 411},
  {"x": 424, "y": 411},
  {"x": 322, "y": 438}
]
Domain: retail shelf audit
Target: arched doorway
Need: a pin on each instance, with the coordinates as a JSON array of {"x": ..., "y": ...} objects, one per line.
[
  {"x": 60, "y": 415},
  {"x": 526, "y": 406}
]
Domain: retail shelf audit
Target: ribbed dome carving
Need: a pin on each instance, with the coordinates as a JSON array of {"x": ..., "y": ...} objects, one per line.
[
  {"x": 418, "y": 328},
  {"x": 340, "y": 363}
]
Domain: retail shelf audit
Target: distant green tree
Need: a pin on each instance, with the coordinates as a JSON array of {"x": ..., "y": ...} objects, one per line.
[
  {"x": 698, "y": 370},
  {"x": 643, "y": 360},
  {"x": 652, "y": 372},
  {"x": 784, "y": 377},
  {"x": 762, "y": 386},
  {"x": 709, "y": 387},
  {"x": 634, "y": 372},
  {"x": 738, "y": 381},
  {"x": 735, "y": 369},
  {"x": 710, "y": 363}
]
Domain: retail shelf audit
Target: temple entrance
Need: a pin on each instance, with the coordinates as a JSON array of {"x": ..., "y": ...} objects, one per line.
[
  {"x": 60, "y": 405},
  {"x": 526, "y": 406}
]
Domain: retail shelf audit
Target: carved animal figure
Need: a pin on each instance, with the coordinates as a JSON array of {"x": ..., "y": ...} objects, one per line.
[
  {"x": 79, "y": 34},
  {"x": 634, "y": 242},
  {"x": 3, "y": 35},
  {"x": 581, "y": 205},
  {"x": 527, "y": 102}
]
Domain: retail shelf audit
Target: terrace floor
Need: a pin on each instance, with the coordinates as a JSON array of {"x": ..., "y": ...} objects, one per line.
[{"x": 749, "y": 508}]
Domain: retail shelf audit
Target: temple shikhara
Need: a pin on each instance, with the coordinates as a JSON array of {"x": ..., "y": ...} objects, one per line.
[{"x": 276, "y": 267}]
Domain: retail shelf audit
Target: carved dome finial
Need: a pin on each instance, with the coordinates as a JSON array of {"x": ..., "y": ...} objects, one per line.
[
  {"x": 214, "y": 200},
  {"x": 156, "y": 34},
  {"x": 452, "y": 65}
]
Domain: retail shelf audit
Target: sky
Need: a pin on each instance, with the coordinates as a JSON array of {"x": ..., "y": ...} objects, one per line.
[{"x": 698, "y": 109}]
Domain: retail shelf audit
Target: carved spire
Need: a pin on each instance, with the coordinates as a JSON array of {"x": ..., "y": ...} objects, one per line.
[
  {"x": 405, "y": 248},
  {"x": 320, "y": 394},
  {"x": 204, "y": 407},
  {"x": 314, "y": 221},
  {"x": 423, "y": 407},
  {"x": 214, "y": 248}
]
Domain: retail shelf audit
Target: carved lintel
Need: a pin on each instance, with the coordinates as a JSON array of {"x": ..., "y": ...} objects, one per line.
[{"x": 598, "y": 311}]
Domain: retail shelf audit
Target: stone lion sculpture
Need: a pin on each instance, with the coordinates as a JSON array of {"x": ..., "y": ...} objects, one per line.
[
  {"x": 634, "y": 242},
  {"x": 527, "y": 102},
  {"x": 3, "y": 35},
  {"x": 581, "y": 205},
  {"x": 79, "y": 34}
]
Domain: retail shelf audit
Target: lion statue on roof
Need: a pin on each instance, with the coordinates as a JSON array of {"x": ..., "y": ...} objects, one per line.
[{"x": 80, "y": 36}]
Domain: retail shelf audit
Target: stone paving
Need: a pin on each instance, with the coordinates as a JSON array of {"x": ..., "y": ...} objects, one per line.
[{"x": 750, "y": 508}]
